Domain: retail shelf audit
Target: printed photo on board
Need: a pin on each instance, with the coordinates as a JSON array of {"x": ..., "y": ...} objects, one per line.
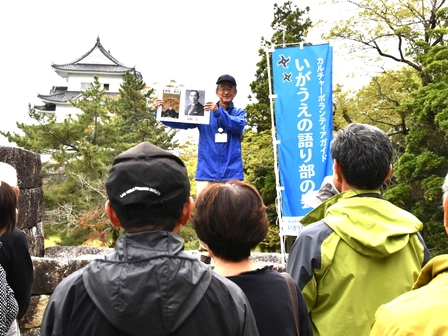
[
  {"x": 171, "y": 104},
  {"x": 194, "y": 102},
  {"x": 183, "y": 105}
]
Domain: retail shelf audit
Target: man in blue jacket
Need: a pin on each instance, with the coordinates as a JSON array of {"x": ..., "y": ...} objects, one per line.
[{"x": 219, "y": 151}]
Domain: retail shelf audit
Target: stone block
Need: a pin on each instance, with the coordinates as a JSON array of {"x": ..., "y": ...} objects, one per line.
[
  {"x": 31, "y": 207},
  {"x": 31, "y": 332},
  {"x": 48, "y": 273},
  {"x": 36, "y": 240},
  {"x": 27, "y": 164},
  {"x": 70, "y": 252},
  {"x": 33, "y": 317}
]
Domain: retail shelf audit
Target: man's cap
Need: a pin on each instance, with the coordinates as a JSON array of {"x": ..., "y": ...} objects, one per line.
[
  {"x": 226, "y": 78},
  {"x": 8, "y": 174},
  {"x": 150, "y": 176}
]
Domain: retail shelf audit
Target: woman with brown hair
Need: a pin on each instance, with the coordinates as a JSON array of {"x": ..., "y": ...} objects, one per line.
[
  {"x": 8, "y": 215},
  {"x": 231, "y": 219}
]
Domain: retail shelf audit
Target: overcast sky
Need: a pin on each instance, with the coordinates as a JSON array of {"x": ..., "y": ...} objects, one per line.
[{"x": 192, "y": 42}]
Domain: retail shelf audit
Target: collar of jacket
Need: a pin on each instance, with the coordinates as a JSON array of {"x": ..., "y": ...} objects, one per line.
[{"x": 319, "y": 212}]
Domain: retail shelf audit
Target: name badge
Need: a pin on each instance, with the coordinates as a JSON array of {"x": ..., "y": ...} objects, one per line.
[{"x": 221, "y": 137}]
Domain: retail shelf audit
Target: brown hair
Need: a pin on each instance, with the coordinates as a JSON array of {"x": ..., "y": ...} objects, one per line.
[
  {"x": 8, "y": 205},
  {"x": 231, "y": 219}
]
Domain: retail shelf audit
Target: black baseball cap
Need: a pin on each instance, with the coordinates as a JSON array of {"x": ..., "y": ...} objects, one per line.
[
  {"x": 149, "y": 176},
  {"x": 226, "y": 78}
]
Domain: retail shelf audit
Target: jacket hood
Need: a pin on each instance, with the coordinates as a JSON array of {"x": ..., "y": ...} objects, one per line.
[
  {"x": 434, "y": 267},
  {"x": 372, "y": 226},
  {"x": 148, "y": 282}
]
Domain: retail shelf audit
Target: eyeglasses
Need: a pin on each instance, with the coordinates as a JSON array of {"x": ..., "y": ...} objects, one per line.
[{"x": 226, "y": 89}]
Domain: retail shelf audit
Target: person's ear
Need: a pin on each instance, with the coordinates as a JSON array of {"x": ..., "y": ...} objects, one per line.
[
  {"x": 337, "y": 174},
  {"x": 112, "y": 215},
  {"x": 445, "y": 212},
  {"x": 185, "y": 216},
  {"x": 16, "y": 191},
  {"x": 186, "y": 211},
  {"x": 388, "y": 174}
]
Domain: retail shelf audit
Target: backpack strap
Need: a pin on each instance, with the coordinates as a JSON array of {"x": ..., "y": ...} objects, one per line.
[{"x": 292, "y": 290}]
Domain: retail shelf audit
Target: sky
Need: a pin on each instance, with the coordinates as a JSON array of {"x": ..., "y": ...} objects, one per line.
[{"x": 192, "y": 42}]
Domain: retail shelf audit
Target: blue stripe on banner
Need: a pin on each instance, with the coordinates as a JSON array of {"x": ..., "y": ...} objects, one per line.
[{"x": 303, "y": 111}]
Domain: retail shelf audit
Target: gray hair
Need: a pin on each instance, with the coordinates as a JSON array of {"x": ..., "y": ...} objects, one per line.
[{"x": 364, "y": 153}]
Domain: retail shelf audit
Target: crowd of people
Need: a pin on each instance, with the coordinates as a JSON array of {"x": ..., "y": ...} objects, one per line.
[{"x": 359, "y": 267}]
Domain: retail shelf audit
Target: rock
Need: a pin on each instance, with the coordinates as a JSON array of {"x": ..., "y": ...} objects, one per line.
[
  {"x": 31, "y": 207},
  {"x": 36, "y": 240},
  {"x": 35, "y": 313},
  {"x": 48, "y": 273},
  {"x": 70, "y": 252}
]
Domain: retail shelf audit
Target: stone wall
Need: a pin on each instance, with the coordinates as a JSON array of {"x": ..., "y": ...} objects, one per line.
[
  {"x": 31, "y": 198},
  {"x": 60, "y": 261}
]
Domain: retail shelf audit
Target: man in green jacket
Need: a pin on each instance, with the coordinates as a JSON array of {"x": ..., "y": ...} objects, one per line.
[
  {"x": 362, "y": 251},
  {"x": 421, "y": 311}
]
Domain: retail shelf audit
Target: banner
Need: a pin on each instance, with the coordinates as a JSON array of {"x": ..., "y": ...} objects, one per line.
[{"x": 302, "y": 78}]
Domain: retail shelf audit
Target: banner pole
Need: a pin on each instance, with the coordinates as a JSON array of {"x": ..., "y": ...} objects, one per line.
[{"x": 275, "y": 143}]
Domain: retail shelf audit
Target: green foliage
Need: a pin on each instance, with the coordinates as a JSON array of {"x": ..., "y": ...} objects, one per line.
[
  {"x": 272, "y": 241},
  {"x": 409, "y": 104},
  {"x": 290, "y": 27},
  {"x": 258, "y": 157},
  {"x": 134, "y": 121},
  {"x": 189, "y": 237},
  {"x": 421, "y": 169},
  {"x": 258, "y": 160},
  {"x": 82, "y": 149},
  {"x": 188, "y": 153},
  {"x": 381, "y": 103}
]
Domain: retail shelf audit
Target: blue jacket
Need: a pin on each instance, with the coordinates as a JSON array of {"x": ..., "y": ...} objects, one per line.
[{"x": 219, "y": 161}]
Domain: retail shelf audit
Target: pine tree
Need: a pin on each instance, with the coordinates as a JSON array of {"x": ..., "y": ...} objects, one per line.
[{"x": 82, "y": 149}]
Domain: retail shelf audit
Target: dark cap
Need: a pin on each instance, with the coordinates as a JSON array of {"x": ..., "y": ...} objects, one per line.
[
  {"x": 226, "y": 78},
  {"x": 148, "y": 175}
]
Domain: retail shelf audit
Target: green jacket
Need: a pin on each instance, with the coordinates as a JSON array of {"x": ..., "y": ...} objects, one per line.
[
  {"x": 421, "y": 311},
  {"x": 363, "y": 253}
]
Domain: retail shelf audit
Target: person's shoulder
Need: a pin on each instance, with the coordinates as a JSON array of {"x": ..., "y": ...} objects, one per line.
[
  {"x": 239, "y": 109},
  {"x": 16, "y": 237},
  {"x": 235, "y": 291},
  {"x": 74, "y": 279},
  {"x": 313, "y": 230},
  {"x": 14, "y": 234}
]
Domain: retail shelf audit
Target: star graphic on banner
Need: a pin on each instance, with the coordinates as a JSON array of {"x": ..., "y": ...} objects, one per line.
[
  {"x": 284, "y": 61},
  {"x": 287, "y": 77}
]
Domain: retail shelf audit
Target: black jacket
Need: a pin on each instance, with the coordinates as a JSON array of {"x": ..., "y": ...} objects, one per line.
[
  {"x": 16, "y": 261},
  {"x": 148, "y": 286}
]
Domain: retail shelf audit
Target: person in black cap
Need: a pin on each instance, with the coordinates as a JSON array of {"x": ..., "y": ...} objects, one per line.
[
  {"x": 219, "y": 150},
  {"x": 149, "y": 285}
]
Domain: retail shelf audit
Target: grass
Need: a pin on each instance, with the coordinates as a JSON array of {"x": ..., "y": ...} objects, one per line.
[{"x": 51, "y": 240}]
